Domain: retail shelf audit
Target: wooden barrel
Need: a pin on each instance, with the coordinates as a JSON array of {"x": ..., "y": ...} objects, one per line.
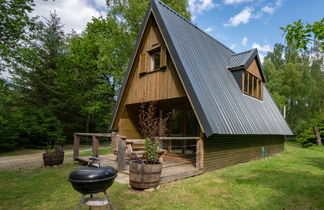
[
  {"x": 52, "y": 159},
  {"x": 144, "y": 176}
]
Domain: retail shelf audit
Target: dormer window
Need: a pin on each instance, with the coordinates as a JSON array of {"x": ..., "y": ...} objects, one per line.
[{"x": 252, "y": 85}]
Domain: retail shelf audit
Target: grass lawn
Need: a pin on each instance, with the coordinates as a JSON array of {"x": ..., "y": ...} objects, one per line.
[{"x": 292, "y": 180}]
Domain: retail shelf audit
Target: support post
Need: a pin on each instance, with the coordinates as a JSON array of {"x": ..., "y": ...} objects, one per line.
[
  {"x": 76, "y": 146},
  {"x": 200, "y": 153},
  {"x": 95, "y": 146},
  {"x": 121, "y": 153},
  {"x": 114, "y": 140}
]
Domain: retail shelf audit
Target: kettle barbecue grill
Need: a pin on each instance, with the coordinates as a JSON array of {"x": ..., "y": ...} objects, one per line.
[{"x": 93, "y": 179}]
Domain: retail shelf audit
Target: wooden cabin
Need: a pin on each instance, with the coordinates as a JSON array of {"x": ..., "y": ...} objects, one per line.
[{"x": 221, "y": 112}]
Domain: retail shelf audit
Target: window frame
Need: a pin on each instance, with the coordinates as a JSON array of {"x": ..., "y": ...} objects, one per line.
[
  {"x": 252, "y": 85},
  {"x": 152, "y": 60}
]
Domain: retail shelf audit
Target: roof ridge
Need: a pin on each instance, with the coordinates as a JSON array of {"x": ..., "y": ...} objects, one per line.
[
  {"x": 180, "y": 16},
  {"x": 240, "y": 53}
]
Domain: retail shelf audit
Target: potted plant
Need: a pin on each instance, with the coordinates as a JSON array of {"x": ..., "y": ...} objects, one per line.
[
  {"x": 146, "y": 172},
  {"x": 54, "y": 153}
]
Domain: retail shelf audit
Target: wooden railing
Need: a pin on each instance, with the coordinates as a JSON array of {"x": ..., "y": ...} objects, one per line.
[
  {"x": 199, "y": 148},
  {"x": 119, "y": 146},
  {"x": 198, "y": 156},
  {"x": 95, "y": 143}
]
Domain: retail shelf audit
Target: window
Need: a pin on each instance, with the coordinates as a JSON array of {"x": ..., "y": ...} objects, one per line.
[
  {"x": 155, "y": 61},
  {"x": 251, "y": 85}
]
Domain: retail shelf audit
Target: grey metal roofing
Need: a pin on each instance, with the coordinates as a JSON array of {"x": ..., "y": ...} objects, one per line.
[
  {"x": 201, "y": 62},
  {"x": 240, "y": 59},
  {"x": 244, "y": 59}
]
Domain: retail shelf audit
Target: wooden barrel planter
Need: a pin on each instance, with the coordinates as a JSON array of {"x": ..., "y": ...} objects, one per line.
[
  {"x": 144, "y": 176},
  {"x": 52, "y": 159}
]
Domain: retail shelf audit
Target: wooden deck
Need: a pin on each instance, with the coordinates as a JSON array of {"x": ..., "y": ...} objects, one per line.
[{"x": 174, "y": 168}]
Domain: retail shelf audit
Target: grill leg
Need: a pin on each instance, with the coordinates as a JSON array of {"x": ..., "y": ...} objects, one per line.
[
  {"x": 81, "y": 202},
  {"x": 109, "y": 203}
]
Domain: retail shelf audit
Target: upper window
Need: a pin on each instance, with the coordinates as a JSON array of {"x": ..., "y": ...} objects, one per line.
[
  {"x": 155, "y": 61},
  {"x": 252, "y": 85}
]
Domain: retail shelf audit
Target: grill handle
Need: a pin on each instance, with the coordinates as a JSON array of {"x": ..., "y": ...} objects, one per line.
[{"x": 94, "y": 162}]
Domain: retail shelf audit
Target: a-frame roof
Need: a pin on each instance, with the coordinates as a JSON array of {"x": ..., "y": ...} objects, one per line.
[{"x": 202, "y": 65}]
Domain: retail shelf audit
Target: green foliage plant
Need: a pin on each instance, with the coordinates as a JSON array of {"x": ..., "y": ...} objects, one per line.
[{"x": 152, "y": 127}]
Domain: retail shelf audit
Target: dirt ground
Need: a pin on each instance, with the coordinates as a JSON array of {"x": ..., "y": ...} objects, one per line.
[{"x": 29, "y": 161}]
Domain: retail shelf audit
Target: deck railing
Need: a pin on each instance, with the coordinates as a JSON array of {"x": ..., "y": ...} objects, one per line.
[
  {"x": 95, "y": 142},
  {"x": 119, "y": 146},
  {"x": 198, "y": 148}
]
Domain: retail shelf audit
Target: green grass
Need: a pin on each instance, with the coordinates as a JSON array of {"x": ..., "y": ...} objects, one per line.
[
  {"x": 292, "y": 180},
  {"x": 102, "y": 151}
]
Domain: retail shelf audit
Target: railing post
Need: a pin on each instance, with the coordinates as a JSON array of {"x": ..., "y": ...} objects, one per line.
[
  {"x": 95, "y": 146},
  {"x": 121, "y": 153},
  {"x": 114, "y": 140},
  {"x": 76, "y": 146},
  {"x": 200, "y": 154}
]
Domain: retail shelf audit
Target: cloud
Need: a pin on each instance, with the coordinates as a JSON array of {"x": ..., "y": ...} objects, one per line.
[
  {"x": 261, "y": 56},
  {"x": 271, "y": 9},
  {"x": 100, "y": 3},
  {"x": 197, "y": 7},
  {"x": 244, "y": 41},
  {"x": 265, "y": 48},
  {"x": 243, "y": 17},
  {"x": 268, "y": 9},
  {"x": 209, "y": 29},
  {"x": 74, "y": 13},
  {"x": 236, "y": 1},
  {"x": 233, "y": 46}
]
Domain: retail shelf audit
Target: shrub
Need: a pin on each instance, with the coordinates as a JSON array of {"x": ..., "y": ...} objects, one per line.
[{"x": 307, "y": 137}]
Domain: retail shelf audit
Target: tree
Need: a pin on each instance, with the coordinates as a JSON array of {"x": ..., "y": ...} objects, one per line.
[
  {"x": 36, "y": 81},
  {"x": 14, "y": 22},
  {"x": 295, "y": 82},
  {"x": 300, "y": 35}
]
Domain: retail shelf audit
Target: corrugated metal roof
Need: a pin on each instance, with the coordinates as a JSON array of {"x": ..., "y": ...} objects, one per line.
[
  {"x": 202, "y": 62},
  {"x": 244, "y": 59},
  {"x": 241, "y": 59}
]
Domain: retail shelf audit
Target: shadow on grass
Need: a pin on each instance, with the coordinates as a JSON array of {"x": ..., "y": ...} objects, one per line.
[
  {"x": 316, "y": 162},
  {"x": 288, "y": 188}
]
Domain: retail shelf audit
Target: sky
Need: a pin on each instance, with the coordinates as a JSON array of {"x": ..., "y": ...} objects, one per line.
[{"x": 239, "y": 24}]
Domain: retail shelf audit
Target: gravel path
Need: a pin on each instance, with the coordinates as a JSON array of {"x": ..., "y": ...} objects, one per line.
[{"x": 29, "y": 161}]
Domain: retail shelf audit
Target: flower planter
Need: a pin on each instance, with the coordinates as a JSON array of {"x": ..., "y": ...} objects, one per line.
[
  {"x": 52, "y": 159},
  {"x": 144, "y": 176}
]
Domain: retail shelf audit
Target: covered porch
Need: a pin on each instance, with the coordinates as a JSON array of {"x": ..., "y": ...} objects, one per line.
[{"x": 175, "y": 165}]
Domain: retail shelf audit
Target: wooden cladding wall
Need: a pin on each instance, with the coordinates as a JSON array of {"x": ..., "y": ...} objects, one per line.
[
  {"x": 222, "y": 151},
  {"x": 254, "y": 69},
  {"x": 127, "y": 125},
  {"x": 153, "y": 85}
]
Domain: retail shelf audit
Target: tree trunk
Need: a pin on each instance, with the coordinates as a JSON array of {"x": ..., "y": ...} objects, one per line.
[
  {"x": 317, "y": 136},
  {"x": 88, "y": 123}
]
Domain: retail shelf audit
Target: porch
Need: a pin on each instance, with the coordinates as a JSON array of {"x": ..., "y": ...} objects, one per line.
[{"x": 175, "y": 166}]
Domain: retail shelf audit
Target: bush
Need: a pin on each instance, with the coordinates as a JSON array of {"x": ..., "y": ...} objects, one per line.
[{"x": 307, "y": 137}]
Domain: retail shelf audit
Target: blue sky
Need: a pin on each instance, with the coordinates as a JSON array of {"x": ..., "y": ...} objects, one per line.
[
  {"x": 239, "y": 24},
  {"x": 246, "y": 24}
]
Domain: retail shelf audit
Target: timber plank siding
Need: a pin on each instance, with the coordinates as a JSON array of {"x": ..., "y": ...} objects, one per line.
[{"x": 226, "y": 150}]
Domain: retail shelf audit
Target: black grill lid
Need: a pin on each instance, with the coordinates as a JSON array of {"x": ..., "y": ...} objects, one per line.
[{"x": 89, "y": 174}]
